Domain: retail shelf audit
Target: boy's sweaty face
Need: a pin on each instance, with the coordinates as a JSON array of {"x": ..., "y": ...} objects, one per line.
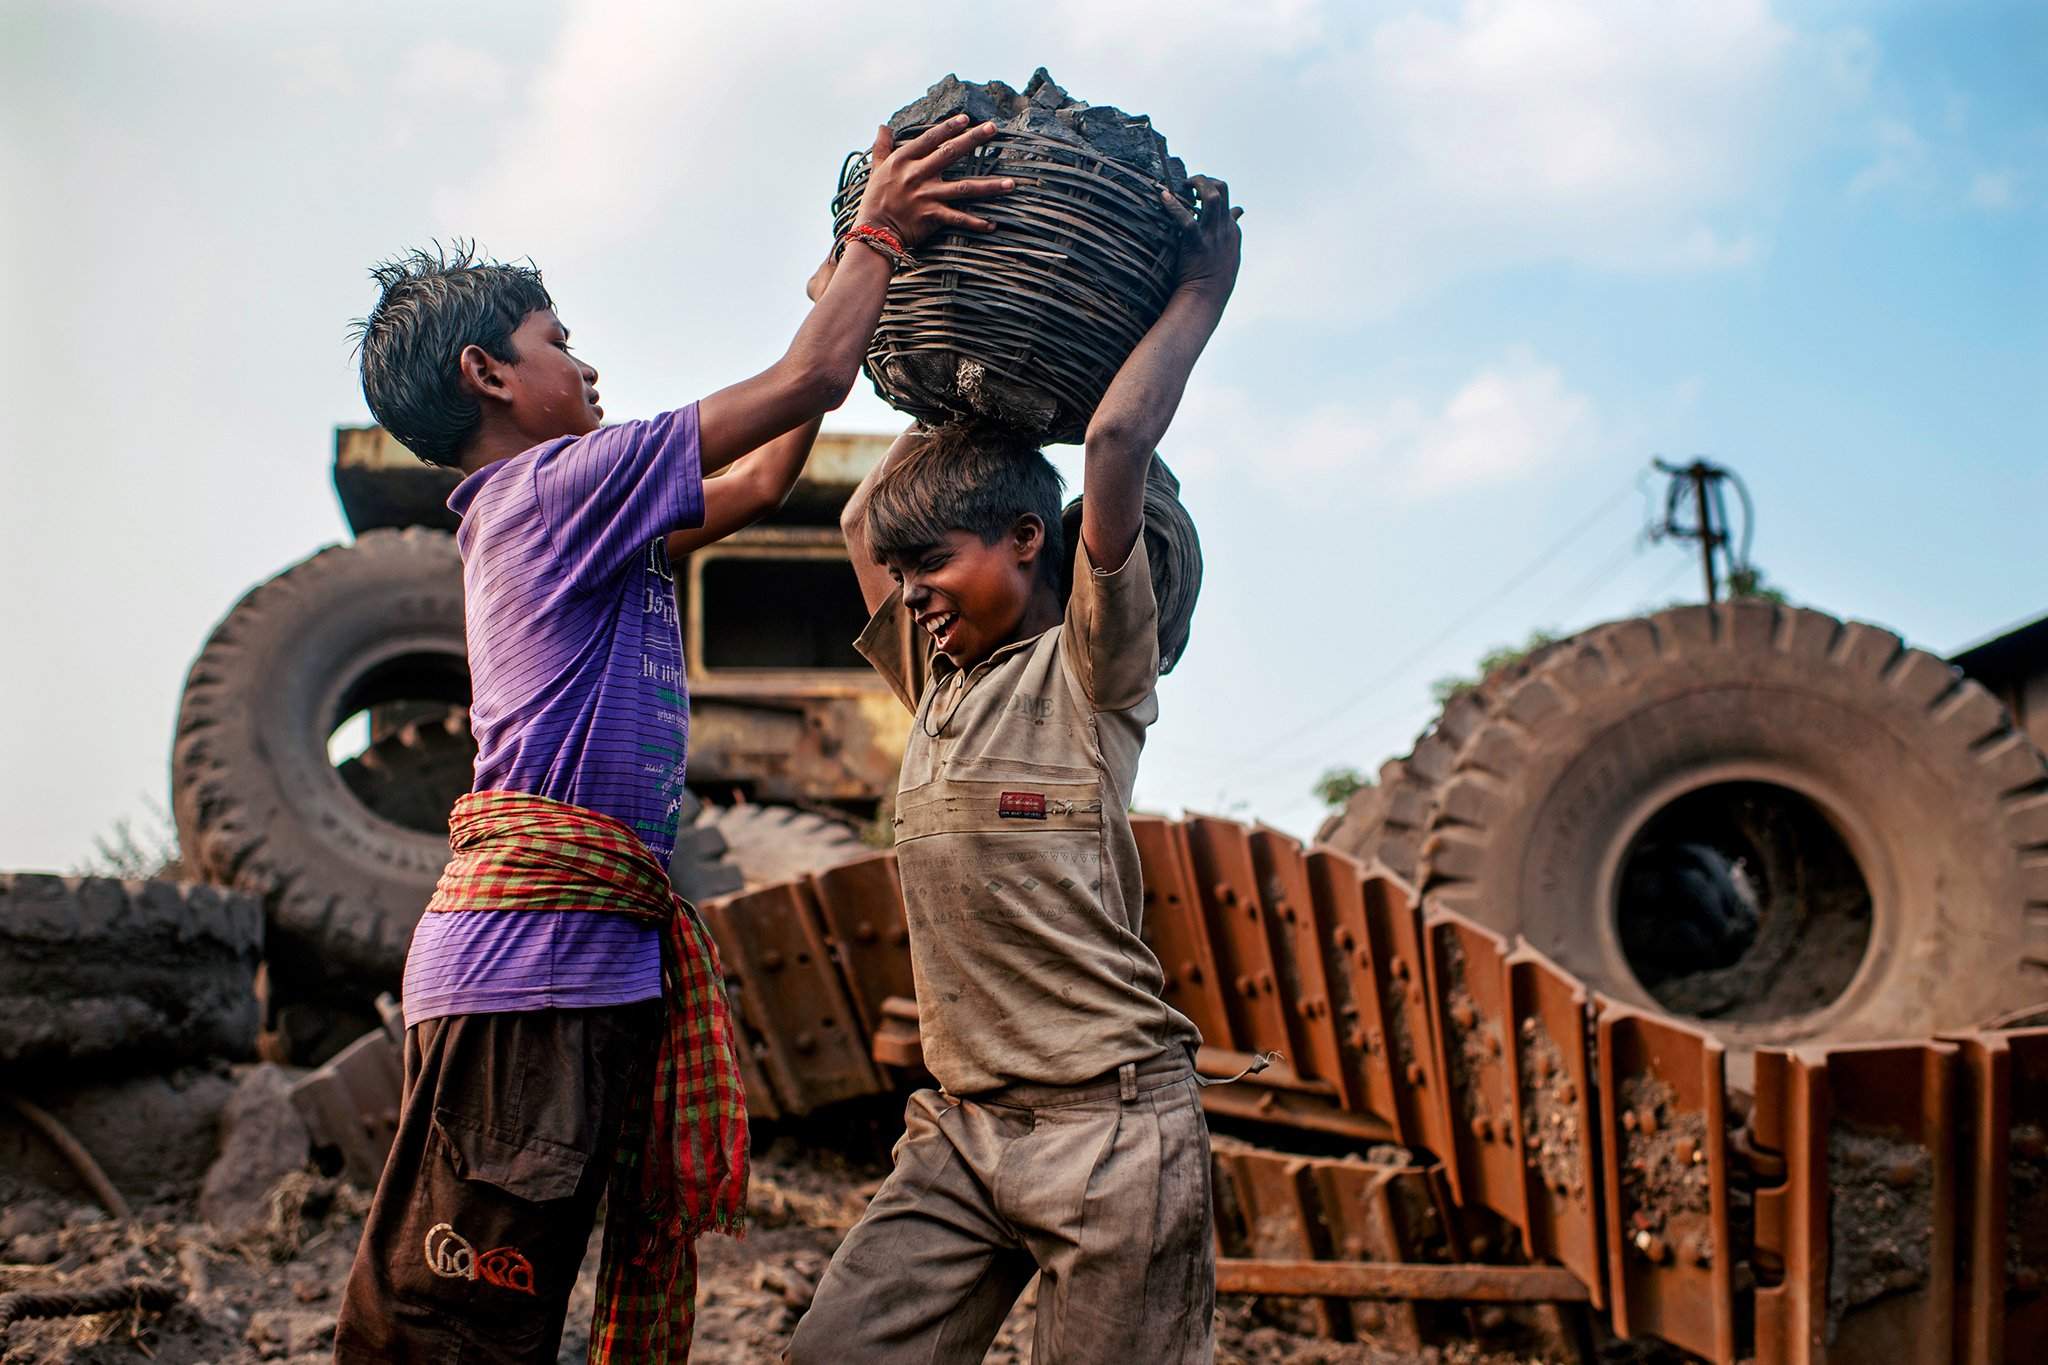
[
  {"x": 971, "y": 597},
  {"x": 552, "y": 393}
]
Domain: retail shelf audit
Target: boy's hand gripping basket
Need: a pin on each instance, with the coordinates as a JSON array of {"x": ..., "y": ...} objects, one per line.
[{"x": 1026, "y": 325}]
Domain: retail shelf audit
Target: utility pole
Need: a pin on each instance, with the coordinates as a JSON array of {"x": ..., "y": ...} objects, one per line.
[{"x": 1710, "y": 528}]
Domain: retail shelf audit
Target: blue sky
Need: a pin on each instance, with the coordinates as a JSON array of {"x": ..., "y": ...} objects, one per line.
[{"x": 1498, "y": 255}]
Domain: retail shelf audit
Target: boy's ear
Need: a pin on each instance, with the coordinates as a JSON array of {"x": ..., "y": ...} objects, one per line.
[
  {"x": 483, "y": 374},
  {"x": 1027, "y": 538}
]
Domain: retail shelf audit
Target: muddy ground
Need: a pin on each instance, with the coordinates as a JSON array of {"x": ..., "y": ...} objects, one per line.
[{"x": 270, "y": 1294}]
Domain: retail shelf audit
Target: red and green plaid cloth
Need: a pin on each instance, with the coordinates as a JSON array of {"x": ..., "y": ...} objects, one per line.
[{"x": 520, "y": 852}]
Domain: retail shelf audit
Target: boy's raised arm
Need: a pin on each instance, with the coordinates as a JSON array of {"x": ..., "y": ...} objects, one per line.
[
  {"x": 908, "y": 196},
  {"x": 875, "y": 581},
  {"x": 750, "y": 488},
  {"x": 1141, "y": 400}
]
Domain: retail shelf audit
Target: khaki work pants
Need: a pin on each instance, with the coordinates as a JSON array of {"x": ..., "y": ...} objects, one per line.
[{"x": 1102, "y": 1190}]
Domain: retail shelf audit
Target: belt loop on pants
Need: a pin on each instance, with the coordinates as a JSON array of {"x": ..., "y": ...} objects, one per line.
[{"x": 1127, "y": 1082}]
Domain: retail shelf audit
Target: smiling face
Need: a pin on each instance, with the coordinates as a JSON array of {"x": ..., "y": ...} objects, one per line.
[
  {"x": 973, "y": 597},
  {"x": 549, "y": 392}
]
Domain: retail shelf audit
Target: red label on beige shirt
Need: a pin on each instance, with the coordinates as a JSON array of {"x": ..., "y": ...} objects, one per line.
[{"x": 1022, "y": 806}]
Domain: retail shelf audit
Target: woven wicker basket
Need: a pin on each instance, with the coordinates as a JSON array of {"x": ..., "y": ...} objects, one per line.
[{"x": 1025, "y": 325}]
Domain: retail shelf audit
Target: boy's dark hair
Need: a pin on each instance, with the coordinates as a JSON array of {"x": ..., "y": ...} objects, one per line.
[
  {"x": 432, "y": 305},
  {"x": 977, "y": 478}
]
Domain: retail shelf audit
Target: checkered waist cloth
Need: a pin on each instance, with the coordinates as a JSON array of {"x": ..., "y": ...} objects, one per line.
[{"x": 514, "y": 851}]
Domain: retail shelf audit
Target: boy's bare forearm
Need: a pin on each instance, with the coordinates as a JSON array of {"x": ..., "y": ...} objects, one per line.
[
  {"x": 1146, "y": 392},
  {"x": 812, "y": 377},
  {"x": 1141, "y": 401},
  {"x": 907, "y": 198},
  {"x": 755, "y": 485},
  {"x": 1132, "y": 417}
]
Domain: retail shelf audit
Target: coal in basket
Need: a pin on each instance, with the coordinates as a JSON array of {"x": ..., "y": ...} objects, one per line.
[{"x": 1026, "y": 325}]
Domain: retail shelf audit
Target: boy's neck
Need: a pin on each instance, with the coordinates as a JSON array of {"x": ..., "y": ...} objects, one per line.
[
  {"x": 1041, "y": 613},
  {"x": 494, "y": 441}
]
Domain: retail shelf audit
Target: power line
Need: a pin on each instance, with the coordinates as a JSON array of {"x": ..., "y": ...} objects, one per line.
[
  {"x": 1705, "y": 482},
  {"x": 1408, "y": 661},
  {"x": 1266, "y": 779}
]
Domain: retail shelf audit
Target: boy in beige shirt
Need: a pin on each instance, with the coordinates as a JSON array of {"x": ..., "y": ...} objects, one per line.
[{"x": 1067, "y": 1139}]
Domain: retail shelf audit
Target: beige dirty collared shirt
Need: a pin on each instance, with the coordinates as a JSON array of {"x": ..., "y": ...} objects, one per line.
[{"x": 1013, "y": 839}]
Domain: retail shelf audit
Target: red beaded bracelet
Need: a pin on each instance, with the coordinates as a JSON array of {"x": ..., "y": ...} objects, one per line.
[{"x": 881, "y": 240}]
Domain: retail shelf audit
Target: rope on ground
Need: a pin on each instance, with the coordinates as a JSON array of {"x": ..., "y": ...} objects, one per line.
[
  {"x": 149, "y": 1294},
  {"x": 72, "y": 1151}
]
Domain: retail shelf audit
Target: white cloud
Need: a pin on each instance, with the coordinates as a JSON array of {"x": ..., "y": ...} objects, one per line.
[
  {"x": 1509, "y": 421},
  {"x": 1423, "y": 144},
  {"x": 1899, "y": 159},
  {"x": 1507, "y": 132},
  {"x": 1992, "y": 190}
]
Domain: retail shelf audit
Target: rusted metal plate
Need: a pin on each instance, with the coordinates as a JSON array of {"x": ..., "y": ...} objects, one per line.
[
  {"x": 2026, "y": 1302},
  {"x": 1401, "y": 980},
  {"x": 1292, "y": 928},
  {"x": 2002, "y": 1194},
  {"x": 1392, "y": 1280},
  {"x": 794, "y": 1010},
  {"x": 1556, "y": 1132},
  {"x": 350, "y": 1104},
  {"x": 1176, "y": 930},
  {"x": 1983, "y": 1189},
  {"x": 1384, "y": 1214},
  {"x": 1855, "y": 1249},
  {"x": 1469, "y": 1013},
  {"x": 1271, "y": 1197},
  {"x": 896, "y": 1042},
  {"x": 862, "y": 906},
  {"x": 1220, "y": 851},
  {"x": 1335, "y": 885},
  {"x": 1664, "y": 1164}
]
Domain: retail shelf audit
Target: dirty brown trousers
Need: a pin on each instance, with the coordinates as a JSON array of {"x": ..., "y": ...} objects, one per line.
[{"x": 1101, "y": 1189}]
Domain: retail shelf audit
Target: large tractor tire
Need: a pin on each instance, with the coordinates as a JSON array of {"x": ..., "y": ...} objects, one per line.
[
  {"x": 346, "y": 857},
  {"x": 768, "y": 843},
  {"x": 258, "y": 802},
  {"x": 1760, "y": 817},
  {"x": 98, "y": 971}
]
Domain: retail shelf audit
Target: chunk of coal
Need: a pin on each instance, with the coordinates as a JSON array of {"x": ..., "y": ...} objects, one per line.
[{"x": 1045, "y": 108}]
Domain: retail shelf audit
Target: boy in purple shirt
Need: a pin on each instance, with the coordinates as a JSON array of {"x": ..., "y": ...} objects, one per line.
[{"x": 530, "y": 1028}]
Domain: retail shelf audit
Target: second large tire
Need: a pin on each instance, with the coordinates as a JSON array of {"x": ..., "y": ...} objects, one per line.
[
  {"x": 98, "y": 971},
  {"x": 1941, "y": 803},
  {"x": 260, "y": 805}
]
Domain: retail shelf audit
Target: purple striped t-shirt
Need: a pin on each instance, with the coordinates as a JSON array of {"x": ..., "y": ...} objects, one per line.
[{"x": 576, "y": 693}]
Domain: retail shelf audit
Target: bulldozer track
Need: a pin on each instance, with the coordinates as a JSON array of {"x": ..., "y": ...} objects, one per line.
[{"x": 1469, "y": 1107}]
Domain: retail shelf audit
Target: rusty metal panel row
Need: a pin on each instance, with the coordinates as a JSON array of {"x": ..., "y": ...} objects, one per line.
[
  {"x": 1174, "y": 927},
  {"x": 1291, "y": 917},
  {"x": 803, "y": 1045},
  {"x": 2001, "y": 1300},
  {"x": 1336, "y": 886},
  {"x": 1400, "y": 976},
  {"x": 1469, "y": 1019},
  {"x": 1556, "y": 1127},
  {"x": 1664, "y": 1161},
  {"x": 1235, "y": 920},
  {"x": 1855, "y": 1247},
  {"x": 1279, "y": 1207},
  {"x": 861, "y": 904},
  {"x": 1269, "y": 948}
]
